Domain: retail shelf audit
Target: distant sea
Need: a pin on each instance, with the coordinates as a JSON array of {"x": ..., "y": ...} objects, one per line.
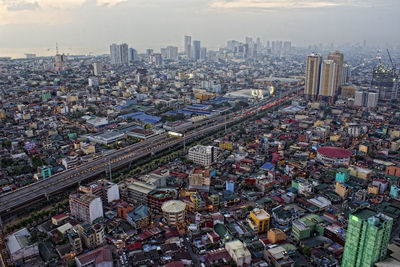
[{"x": 42, "y": 52}]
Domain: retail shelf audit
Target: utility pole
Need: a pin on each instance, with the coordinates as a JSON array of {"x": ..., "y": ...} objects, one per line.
[
  {"x": 225, "y": 123},
  {"x": 109, "y": 168}
]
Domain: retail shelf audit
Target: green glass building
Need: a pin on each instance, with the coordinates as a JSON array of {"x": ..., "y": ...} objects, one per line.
[{"x": 367, "y": 238}]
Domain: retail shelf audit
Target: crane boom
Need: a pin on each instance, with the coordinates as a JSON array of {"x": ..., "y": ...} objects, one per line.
[{"x": 390, "y": 58}]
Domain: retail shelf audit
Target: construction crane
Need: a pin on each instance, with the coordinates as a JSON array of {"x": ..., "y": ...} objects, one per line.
[{"x": 390, "y": 58}]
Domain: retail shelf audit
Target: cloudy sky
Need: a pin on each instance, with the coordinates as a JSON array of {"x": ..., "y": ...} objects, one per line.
[{"x": 83, "y": 26}]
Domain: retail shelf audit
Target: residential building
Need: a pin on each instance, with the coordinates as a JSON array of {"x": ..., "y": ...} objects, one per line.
[
  {"x": 196, "y": 50},
  {"x": 85, "y": 207},
  {"x": 276, "y": 235},
  {"x": 278, "y": 257},
  {"x": 259, "y": 220},
  {"x": 239, "y": 253},
  {"x": 366, "y": 98},
  {"x": 337, "y": 57},
  {"x": 97, "y": 68},
  {"x": 327, "y": 80},
  {"x": 188, "y": 46},
  {"x": 367, "y": 238},
  {"x": 174, "y": 212},
  {"x": 119, "y": 54},
  {"x": 202, "y": 155},
  {"x": 139, "y": 217},
  {"x": 138, "y": 191},
  {"x": 313, "y": 69},
  {"x": 91, "y": 235},
  {"x": 199, "y": 179},
  {"x": 106, "y": 190},
  {"x": 98, "y": 257}
]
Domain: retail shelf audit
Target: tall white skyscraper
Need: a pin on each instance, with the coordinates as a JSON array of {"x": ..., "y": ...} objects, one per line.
[
  {"x": 119, "y": 54},
  {"x": 188, "y": 46}
]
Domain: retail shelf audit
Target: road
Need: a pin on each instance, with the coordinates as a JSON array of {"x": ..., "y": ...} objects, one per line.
[{"x": 24, "y": 196}]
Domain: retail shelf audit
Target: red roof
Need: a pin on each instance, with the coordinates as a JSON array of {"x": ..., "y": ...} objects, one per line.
[
  {"x": 97, "y": 256},
  {"x": 134, "y": 246},
  {"x": 175, "y": 264},
  {"x": 60, "y": 216},
  {"x": 334, "y": 152}
]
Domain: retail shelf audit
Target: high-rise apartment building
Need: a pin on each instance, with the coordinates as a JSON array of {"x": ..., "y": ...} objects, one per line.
[
  {"x": 337, "y": 57},
  {"x": 60, "y": 62},
  {"x": 132, "y": 55},
  {"x": 188, "y": 46},
  {"x": 367, "y": 238},
  {"x": 327, "y": 79},
  {"x": 97, "y": 68},
  {"x": 203, "y": 53},
  {"x": 196, "y": 50},
  {"x": 172, "y": 52},
  {"x": 85, "y": 207},
  {"x": 346, "y": 74},
  {"x": 119, "y": 54},
  {"x": 366, "y": 98},
  {"x": 313, "y": 69},
  {"x": 287, "y": 47},
  {"x": 106, "y": 190}
]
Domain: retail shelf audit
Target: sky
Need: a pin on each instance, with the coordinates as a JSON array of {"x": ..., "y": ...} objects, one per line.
[{"x": 90, "y": 26}]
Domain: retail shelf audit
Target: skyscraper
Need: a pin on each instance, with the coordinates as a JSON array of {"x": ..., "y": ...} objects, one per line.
[
  {"x": 386, "y": 81},
  {"x": 188, "y": 46},
  {"x": 97, "y": 68},
  {"x": 337, "y": 57},
  {"x": 327, "y": 79},
  {"x": 313, "y": 69},
  {"x": 203, "y": 53},
  {"x": 172, "y": 52},
  {"x": 346, "y": 74},
  {"x": 366, "y": 98},
  {"x": 132, "y": 55},
  {"x": 196, "y": 50},
  {"x": 287, "y": 47},
  {"x": 119, "y": 54},
  {"x": 367, "y": 238},
  {"x": 60, "y": 62}
]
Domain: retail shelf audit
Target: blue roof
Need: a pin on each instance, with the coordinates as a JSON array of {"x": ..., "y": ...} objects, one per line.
[
  {"x": 267, "y": 166},
  {"x": 142, "y": 117},
  {"x": 190, "y": 112},
  {"x": 218, "y": 100},
  {"x": 139, "y": 212}
]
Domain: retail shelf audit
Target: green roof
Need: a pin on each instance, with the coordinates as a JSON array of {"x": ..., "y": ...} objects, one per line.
[
  {"x": 220, "y": 229},
  {"x": 364, "y": 214}
]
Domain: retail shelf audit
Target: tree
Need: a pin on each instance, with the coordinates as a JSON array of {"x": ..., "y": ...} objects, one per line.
[
  {"x": 37, "y": 161},
  {"x": 6, "y": 162}
]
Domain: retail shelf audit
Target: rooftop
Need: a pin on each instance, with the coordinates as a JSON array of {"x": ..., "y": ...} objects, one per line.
[
  {"x": 334, "y": 152},
  {"x": 173, "y": 206}
]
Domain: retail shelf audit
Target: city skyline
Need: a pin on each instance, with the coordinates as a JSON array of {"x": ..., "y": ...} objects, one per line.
[{"x": 81, "y": 27}]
